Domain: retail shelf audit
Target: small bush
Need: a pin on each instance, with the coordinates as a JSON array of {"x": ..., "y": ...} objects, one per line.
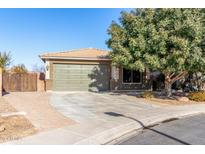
[
  {"x": 147, "y": 94},
  {"x": 197, "y": 96}
]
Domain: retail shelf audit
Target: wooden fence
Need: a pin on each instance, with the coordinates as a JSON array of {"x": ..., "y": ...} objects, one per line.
[{"x": 15, "y": 82}]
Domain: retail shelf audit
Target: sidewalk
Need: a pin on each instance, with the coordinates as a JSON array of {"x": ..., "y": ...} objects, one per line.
[{"x": 103, "y": 132}]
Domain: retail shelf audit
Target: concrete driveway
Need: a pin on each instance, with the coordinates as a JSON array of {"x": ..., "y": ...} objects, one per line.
[
  {"x": 102, "y": 118},
  {"x": 84, "y": 107}
]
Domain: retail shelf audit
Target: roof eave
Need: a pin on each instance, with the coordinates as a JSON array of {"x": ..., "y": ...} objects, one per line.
[{"x": 72, "y": 58}]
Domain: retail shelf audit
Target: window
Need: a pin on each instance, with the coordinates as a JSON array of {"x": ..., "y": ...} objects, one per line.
[
  {"x": 127, "y": 74},
  {"x": 130, "y": 76},
  {"x": 136, "y": 76}
]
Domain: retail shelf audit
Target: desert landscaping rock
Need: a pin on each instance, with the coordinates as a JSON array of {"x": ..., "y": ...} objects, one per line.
[
  {"x": 2, "y": 128},
  {"x": 183, "y": 99},
  {"x": 9, "y": 114}
]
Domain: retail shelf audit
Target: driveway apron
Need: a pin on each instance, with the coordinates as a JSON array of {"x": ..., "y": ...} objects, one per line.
[{"x": 91, "y": 107}]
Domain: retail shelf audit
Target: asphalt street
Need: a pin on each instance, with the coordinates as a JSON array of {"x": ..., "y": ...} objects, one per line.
[{"x": 184, "y": 131}]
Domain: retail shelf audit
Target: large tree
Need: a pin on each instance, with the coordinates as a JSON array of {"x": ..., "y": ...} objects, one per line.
[{"x": 167, "y": 40}]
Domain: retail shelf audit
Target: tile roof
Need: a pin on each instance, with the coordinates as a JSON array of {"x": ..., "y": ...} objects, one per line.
[{"x": 87, "y": 53}]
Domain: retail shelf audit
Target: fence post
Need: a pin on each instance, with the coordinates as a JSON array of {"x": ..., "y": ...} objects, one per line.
[
  {"x": 1, "y": 80},
  {"x": 40, "y": 82}
]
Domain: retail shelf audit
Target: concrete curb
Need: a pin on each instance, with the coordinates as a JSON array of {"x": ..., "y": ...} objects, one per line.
[{"x": 113, "y": 135}]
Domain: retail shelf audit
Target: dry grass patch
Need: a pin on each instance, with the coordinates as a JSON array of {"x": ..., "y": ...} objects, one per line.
[
  {"x": 148, "y": 95},
  {"x": 168, "y": 101},
  {"x": 13, "y": 127},
  {"x": 197, "y": 96}
]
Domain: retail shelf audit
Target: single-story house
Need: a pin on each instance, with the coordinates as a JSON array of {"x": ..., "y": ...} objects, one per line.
[{"x": 89, "y": 70}]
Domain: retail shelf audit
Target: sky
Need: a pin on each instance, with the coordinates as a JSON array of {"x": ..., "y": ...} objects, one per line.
[{"x": 27, "y": 33}]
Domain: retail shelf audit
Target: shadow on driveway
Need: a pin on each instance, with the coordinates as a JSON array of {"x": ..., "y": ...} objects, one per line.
[{"x": 147, "y": 127}]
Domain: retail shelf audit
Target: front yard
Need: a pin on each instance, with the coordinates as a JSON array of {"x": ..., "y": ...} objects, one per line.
[
  {"x": 166, "y": 101},
  {"x": 176, "y": 99},
  {"x": 39, "y": 116},
  {"x": 13, "y": 127}
]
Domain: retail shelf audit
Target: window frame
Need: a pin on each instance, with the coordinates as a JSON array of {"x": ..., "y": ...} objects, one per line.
[{"x": 141, "y": 75}]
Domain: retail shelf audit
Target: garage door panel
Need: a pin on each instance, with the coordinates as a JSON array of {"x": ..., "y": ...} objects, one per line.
[
  {"x": 71, "y": 87},
  {"x": 63, "y": 66},
  {"x": 74, "y": 77},
  {"x": 68, "y": 71},
  {"x": 69, "y": 77},
  {"x": 72, "y": 82}
]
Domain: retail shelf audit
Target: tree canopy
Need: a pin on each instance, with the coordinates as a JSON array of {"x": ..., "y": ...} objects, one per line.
[
  {"x": 5, "y": 60},
  {"x": 20, "y": 68},
  {"x": 168, "y": 40}
]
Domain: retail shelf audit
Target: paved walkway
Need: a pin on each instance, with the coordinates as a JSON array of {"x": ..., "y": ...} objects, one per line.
[
  {"x": 185, "y": 131},
  {"x": 39, "y": 111},
  {"x": 102, "y": 118}
]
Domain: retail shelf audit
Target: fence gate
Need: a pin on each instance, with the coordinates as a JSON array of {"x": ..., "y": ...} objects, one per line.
[{"x": 14, "y": 82}]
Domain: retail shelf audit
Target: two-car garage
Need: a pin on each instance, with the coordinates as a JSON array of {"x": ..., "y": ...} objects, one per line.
[{"x": 80, "y": 77}]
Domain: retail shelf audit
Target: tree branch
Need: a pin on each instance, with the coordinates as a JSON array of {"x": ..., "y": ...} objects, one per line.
[
  {"x": 179, "y": 76},
  {"x": 172, "y": 75}
]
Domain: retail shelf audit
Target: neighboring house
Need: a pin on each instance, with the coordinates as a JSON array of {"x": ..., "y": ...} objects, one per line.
[{"x": 89, "y": 70}]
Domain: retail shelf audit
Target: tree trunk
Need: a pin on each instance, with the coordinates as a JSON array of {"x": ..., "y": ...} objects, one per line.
[
  {"x": 168, "y": 89},
  {"x": 198, "y": 81},
  {"x": 168, "y": 86},
  {"x": 170, "y": 79}
]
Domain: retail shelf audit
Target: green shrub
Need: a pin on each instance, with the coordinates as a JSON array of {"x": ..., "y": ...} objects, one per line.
[
  {"x": 197, "y": 96},
  {"x": 147, "y": 94}
]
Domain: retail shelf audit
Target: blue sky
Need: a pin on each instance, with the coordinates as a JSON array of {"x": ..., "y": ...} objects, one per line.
[{"x": 29, "y": 32}]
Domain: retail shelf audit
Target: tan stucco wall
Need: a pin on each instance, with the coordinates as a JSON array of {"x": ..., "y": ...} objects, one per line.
[{"x": 119, "y": 85}]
